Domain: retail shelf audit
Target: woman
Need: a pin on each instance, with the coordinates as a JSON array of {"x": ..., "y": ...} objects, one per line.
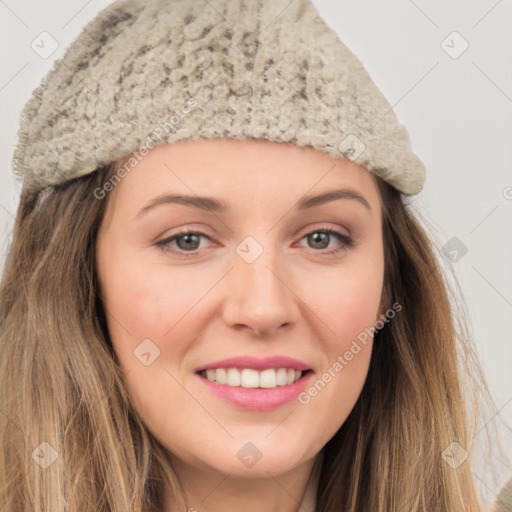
[{"x": 254, "y": 370}]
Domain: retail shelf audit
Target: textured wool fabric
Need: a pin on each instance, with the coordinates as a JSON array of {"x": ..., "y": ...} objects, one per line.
[{"x": 145, "y": 73}]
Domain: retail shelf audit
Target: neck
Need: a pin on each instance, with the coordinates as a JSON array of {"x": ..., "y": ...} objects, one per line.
[{"x": 208, "y": 490}]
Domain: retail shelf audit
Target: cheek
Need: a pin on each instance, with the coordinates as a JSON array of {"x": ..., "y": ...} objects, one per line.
[
  {"x": 347, "y": 303},
  {"x": 144, "y": 301},
  {"x": 348, "y": 300},
  {"x": 147, "y": 313}
]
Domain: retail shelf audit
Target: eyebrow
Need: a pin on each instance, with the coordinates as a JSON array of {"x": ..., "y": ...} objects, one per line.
[
  {"x": 332, "y": 195},
  {"x": 211, "y": 204}
]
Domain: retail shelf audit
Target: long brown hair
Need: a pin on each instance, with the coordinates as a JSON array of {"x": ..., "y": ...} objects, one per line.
[{"x": 61, "y": 383}]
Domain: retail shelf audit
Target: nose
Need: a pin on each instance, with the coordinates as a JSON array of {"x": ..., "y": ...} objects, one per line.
[{"x": 260, "y": 296}]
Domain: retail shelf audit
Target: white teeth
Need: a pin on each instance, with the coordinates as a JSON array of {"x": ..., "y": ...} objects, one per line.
[
  {"x": 250, "y": 378},
  {"x": 233, "y": 377},
  {"x": 220, "y": 376},
  {"x": 281, "y": 377},
  {"x": 268, "y": 379}
]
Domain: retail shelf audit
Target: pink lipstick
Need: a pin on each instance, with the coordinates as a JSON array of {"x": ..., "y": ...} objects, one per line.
[{"x": 256, "y": 383}]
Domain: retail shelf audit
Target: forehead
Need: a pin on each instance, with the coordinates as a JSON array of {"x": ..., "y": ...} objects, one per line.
[{"x": 239, "y": 171}]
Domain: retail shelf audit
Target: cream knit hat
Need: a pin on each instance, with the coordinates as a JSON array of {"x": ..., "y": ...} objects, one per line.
[{"x": 145, "y": 73}]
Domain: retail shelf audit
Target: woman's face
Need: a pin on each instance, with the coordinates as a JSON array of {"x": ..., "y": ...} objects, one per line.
[{"x": 259, "y": 294}]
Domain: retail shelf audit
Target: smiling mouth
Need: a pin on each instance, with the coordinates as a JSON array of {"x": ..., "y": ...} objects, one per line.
[{"x": 250, "y": 378}]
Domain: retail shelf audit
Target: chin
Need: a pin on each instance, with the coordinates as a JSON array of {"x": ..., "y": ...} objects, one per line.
[{"x": 256, "y": 459}]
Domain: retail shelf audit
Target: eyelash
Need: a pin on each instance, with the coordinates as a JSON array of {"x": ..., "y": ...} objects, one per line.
[{"x": 346, "y": 241}]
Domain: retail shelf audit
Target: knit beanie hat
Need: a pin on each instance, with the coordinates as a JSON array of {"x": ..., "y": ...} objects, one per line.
[{"x": 146, "y": 73}]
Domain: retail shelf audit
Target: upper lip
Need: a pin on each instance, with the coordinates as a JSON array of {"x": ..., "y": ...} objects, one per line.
[{"x": 256, "y": 363}]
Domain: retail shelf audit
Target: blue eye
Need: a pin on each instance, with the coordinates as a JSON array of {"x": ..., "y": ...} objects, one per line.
[
  {"x": 325, "y": 235},
  {"x": 189, "y": 241},
  {"x": 186, "y": 241}
]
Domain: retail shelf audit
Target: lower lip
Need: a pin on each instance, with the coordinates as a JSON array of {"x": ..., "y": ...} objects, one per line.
[{"x": 259, "y": 399}]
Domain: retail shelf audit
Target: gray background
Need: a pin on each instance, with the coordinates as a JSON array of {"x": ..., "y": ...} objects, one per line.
[{"x": 457, "y": 108}]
